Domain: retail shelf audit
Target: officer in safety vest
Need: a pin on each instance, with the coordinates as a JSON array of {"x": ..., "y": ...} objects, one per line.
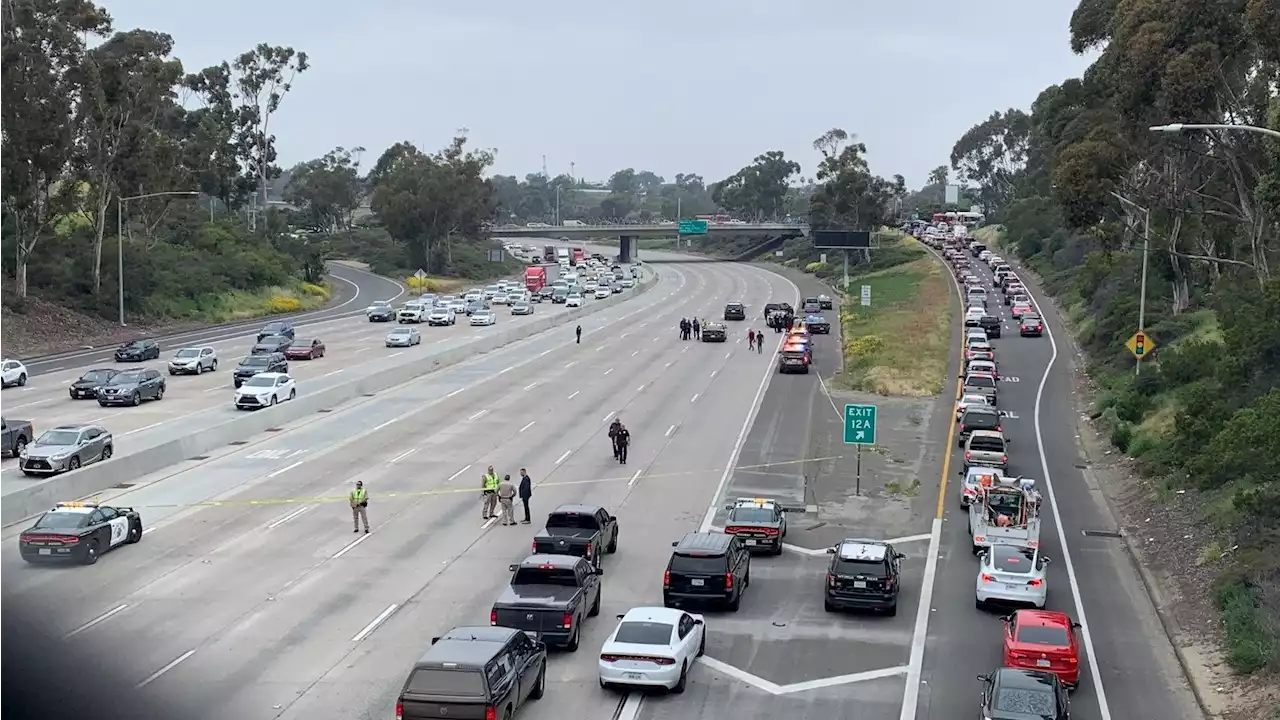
[
  {"x": 489, "y": 490},
  {"x": 359, "y": 507}
]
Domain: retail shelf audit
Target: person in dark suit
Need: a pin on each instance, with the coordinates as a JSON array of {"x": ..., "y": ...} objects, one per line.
[
  {"x": 526, "y": 492},
  {"x": 623, "y": 443}
]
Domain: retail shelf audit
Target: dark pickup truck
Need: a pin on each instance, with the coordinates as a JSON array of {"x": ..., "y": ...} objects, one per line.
[
  {"x": 17, "y": 435},
  {"x": 548, "y": 598},
  {"x": 586, "y": 531}
]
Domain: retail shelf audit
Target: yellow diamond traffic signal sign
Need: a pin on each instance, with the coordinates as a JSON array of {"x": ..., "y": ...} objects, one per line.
[{"x": 1141, "y": 344}]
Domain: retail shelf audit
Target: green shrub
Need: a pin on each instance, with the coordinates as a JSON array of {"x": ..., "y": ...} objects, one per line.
[{"x": 1251, "y": 642}]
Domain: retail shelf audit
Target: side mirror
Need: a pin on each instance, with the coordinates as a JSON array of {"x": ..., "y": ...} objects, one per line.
[
  {"x": 728, "y": 507},
  {"x": 435, "y": 640},
  {"x": 1046, "y": 560},
  {"x": 675, "y": 544},
  {"x": 598, "y": 571},
  {"x": 900, "y": 556},
  {"x": 831, "y": 551},
  {"x": 1075, "y": 624},
  {"x": 984, "y": 678},
  {"x": 1007, "y": 618},
  {"x": 697, "y": 621},
  {"x": 513, "y": 567},
  {"x": 621, "y": 615},
  {"x": 960, "y": 472}
]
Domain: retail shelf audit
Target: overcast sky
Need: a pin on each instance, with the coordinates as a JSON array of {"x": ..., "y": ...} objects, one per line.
[{"x": 670, "y": 86}]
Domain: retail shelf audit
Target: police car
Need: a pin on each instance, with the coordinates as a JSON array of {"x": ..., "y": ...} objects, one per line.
[
  {"x": 864, "y": 574},
  {"x": 761, "y": 523},
  {"x": 79, "y": 532}
]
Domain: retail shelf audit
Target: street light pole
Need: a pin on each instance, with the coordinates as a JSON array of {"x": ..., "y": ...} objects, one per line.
[
  {"x": 120, "y": 201},
  {"x": 1146, "y": 245},
  {"x": 1182, "y": 127}
]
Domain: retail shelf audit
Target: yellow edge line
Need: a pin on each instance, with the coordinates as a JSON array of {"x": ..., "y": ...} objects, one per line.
[{"x": 951, "y": 428}]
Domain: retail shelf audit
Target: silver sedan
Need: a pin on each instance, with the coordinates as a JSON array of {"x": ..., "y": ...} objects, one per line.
[
  {"x": 404, "y": 337},
  {"x": 1011, "y": 575}
]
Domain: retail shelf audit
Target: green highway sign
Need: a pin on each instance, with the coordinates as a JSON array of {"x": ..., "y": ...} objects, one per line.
[
  {"x": 693, "y": 227},
  {"x": 860, "y": 424}
]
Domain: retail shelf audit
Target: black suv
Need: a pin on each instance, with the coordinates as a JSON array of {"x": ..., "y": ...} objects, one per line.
[
  {"x": 278, "y": 327},
  {"x": 707, "y": 567},
  {"x": 474, "y": 672},
  {"x": 990, "y": 324},
  {"x": 863, "y": 575},
  {"x": 254, "y": 364},
  {"x": 735, "y": 311},
  {"x": 978, "y": 418}
]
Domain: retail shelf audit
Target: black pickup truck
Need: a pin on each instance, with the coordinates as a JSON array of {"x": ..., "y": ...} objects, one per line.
[
  {"x": 586, "y": 531},
  {"x": 548, "y": 598},
  {"x": 14, "y": 436}
]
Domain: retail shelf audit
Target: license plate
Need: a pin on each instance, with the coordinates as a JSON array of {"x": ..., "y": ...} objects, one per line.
[
  {"x": 697, "y": 583},
  {"x": 860, "y": 584},
  {"x": 633, "y": 676},
  {"x": 1042, "y": 663},
  {"x": 46, "y": 551},
  {"x": 752, "y": 542},
  {"x": 1010, "y": 587}
]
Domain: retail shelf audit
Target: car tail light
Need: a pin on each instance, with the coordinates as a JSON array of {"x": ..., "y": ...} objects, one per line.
[
  {"x": 535, "y": 546},
  {"x": 567, "y": 621},
  {"x": 666, "y": 578},
  {"x": 490, "y": 713},
  {"x": 988, "y": 578},
  {"x": 1035, "y": 582},
  {"x": 889, "y": 583},
  {"x": 728, "y": 581},
  {"x": 589, "y": 546},
  {"x": 771, "y": 532},
  {"x": 968, "y": 456},
  {"x": 732, "y": 530},
  {"x": 399, "y": 710},
  {"x": 609, "y": 658},
  {"x": 1072, "y": 659},
  {"x": 979, "y": 539},
  {"x": 961, "y": 427},
  {"x": 493, "y": 617},
  {"x": 999, "y": 428},
  {"x": 1004, "y": 458},
  {"x": 831, "y": 580}
]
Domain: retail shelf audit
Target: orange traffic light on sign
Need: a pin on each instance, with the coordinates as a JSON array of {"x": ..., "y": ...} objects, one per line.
[{"x": 1140, "y": 344}]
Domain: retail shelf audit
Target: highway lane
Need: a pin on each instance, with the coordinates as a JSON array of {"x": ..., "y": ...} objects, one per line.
[
  {"x": 278, "y": 623},
  {"x": 1129, "y": 670},
  {"x": 353, "y": 289},
  {"x": 354, "y": 346}
]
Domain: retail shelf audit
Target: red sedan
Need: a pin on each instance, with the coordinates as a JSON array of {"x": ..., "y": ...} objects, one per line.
[
  {"x": 1031, "y": 326},
  {"x": 304, "y": 349},
  {"x": 1043, "y": 640}
]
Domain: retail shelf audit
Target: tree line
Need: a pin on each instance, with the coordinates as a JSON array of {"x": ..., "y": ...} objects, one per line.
[{"x": 1082, "y": 184}]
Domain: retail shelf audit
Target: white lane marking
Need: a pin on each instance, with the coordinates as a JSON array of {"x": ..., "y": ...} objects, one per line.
[
  {"x": 909, "y": 539},
  {"x": 684, "y": 349},
  {"x": 634, "y": 478},
  {"x": 570, "y": 364},
  {"x": 714, "y": 373},
  {"x": 776, "y": 689},
  {"x": 215, "y": 389},
  {"x": 479, "y": 415},
  {"x": 667, "y": 365},
  {"x": 574, "y": 395},
  {"x": 695, "y": 397},
  {"x": 563, "y": 457},
  {"x": 455, "y": 475},
  {"x": 605, "y": 419},
  {"x": 99, "y": 420},
  {"x": 670, "y": 431},
  {"x": 635, "y": 353},
  {"x": 489, "y": 523},
  {"x": 335, "y": 372},
  {"x": 531, "y": 385},
  {"x": 373, "y": 624},
  {"x": 728, "y": 355},
  {"x": 141, "y": 429},
  {"x": 289, "y": 517},
  {"x": 506, "y": 370},
  {"x": 350, "y": 546},
  {"x": 147, "y": 530},
  {"x": 396, "y": 354},
  {"x": 455, "y": 392},
  {"x": 388, "y": 423},
  {"x": 156, "y": 675},
  {"x": 600, "y": 348},
  {"x": 640, "y": 388},
  {"x": 30, "y": 404},
  {"x": 545, "y": 353},
  {"x": 606, "y": 372},
  {"x": 95, "y": 621},
  {"x": 403, "y": 455},
  {"x": 623, "y": 335},
  {"x": 283, "y": 470},
  {"x": 531, "y": 424},
  {"x": 360, "y": 350}
]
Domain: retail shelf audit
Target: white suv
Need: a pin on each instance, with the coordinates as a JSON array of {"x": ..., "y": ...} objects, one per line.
[
  {"x": 264, "y": 390},
  {"x": 15, "y": 373},
  {"x": 413, "y": 312}
]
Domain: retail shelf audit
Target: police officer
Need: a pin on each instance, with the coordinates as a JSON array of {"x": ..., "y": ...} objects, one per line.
[
  {"x": 697, "y": 329},
  {"x": 506, "y": 497},
  {"x": 489, "y": 490},
  {"x": 359, "y": 507},
  {"x": 579, "y": 333},
  {"x": 622, "y": 443},
  {"x": 614, "y": 427}
]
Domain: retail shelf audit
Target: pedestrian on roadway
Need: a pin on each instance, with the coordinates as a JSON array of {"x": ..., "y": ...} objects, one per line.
[
  {"x": 623, "y": 443},
  {"x": 614, "y": 427},
  {"x": 506, "y": 497},
  {"x": 526, "y": 492},
  {"x": 697, "y": 329},
  {"x": 751, "y": 339},
  {"x": 359, "y": 507},
  {"x": 579, "y": 333},
  {"x": 489, "y": 492}
]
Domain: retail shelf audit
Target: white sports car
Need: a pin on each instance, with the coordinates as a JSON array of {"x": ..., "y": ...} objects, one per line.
[{"x": 652, "y": 647}]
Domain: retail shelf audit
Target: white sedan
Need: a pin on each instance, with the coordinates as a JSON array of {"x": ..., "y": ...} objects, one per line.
[
  {"x": 602, "y": 293},
  {"x": 573, "y": 301},
  {"x": 15, "y": 373},
  {"x": 265, "y": 390},
  {"x": 652, "y": 647},
  {"x": 1011, "y": 575},
  {"x": 484, "y": 317}
]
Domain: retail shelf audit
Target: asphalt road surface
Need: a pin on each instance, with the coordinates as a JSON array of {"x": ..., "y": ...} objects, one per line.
[
  {"x": 1129, "y": 668},
  {"x": 278, "y": 610},
  {"x": 354, "y": 346}
]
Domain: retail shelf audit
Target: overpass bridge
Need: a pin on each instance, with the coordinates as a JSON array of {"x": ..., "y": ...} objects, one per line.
[{"x": 628, "y": 234}]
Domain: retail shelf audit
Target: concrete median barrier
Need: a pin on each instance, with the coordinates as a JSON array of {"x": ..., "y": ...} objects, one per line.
[{"x": 226, "y": 429}]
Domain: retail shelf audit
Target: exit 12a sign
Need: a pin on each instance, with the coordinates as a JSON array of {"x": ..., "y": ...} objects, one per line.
[{"x": 860, "y": 424}]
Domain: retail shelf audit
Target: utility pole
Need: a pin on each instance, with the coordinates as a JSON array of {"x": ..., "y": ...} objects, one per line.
[
  {"x": 544, "y": 166},
  {"x": 557, "y": 205},
  {"x": 1146, "y": 246},
  {"x": 572, "y": 168}
]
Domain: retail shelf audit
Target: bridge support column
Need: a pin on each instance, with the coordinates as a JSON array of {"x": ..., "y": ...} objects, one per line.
[{"x": 626, "y": 248}]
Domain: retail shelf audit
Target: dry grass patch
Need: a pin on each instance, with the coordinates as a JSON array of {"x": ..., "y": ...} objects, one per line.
[{"x": 900, "y": 345}]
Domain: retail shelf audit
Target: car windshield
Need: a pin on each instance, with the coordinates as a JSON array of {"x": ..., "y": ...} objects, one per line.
[
  {"x": 980, "y": 381},
  {"x": 271, "y": 340},
  {"x": 260, "y": 381},
  {"x": 381, "y": 303},
  {"x": 1013, "y": 559},
  {"x": 401, "y": 331},
  {"x": 135, "y": 345},
  {"x": 61, "y": 521},
  {"x": 986, "y": 443},
  {"x": 273, "y": 328},
  {"x": 98, "y": 375},
  {"x": 862, "y": 567},
  {"x": 1047, "y": 635},
  {"x": 188, "y": 353},
  {"x": 563, "y": 577},
  {"x": 698, "y": 564},
  {"x": 260, "y": 360},
  {"x": 299, "y": 342},
  {"x": 573, "y": 521},
  {"x": 58, "y": 437},
  {"x": 455, "y": 683},
  {"x": 752, "y": 515},
  {"x": 644, "y": 633},
  {"x": 1033, "y": 703},
  {"x": 976, "y": 418},
  {"x": 125, "y": 378},
  {"x": 1030, "y": 319}
]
